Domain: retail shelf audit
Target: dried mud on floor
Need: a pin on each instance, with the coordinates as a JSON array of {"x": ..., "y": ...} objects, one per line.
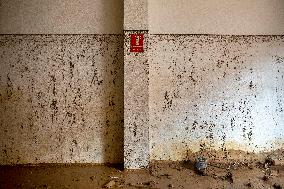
[{"x": 159, "y": 175}]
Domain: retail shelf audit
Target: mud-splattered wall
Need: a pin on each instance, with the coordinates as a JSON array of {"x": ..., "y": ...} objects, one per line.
[
  {"x": 215, "y": 92},
  {"x": 61, "y": 98}
]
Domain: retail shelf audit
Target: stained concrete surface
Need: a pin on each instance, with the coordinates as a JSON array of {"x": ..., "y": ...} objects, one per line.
[
  {"x": 160, "y": 175},
  {"x": 136, "y": 87},
  {"x": 61, "y": 99},
  {"x": 61, "y": 96},
  {"x": 136, "y": 110},
  {"x": 215, "y": 92}
]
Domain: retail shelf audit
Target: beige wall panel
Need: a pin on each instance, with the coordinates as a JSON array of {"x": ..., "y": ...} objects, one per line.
[
  {"x": 61, "y": 16},
  {"x": 236, "y": 17}
]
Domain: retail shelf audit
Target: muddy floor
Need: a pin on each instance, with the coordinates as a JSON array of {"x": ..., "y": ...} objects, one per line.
[{"x": 159, "y": 175}]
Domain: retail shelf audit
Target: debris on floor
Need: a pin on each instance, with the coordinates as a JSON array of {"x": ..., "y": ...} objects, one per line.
[
  {"x": 276, "y": 161},
  {"x": 277, "y": 186},
  {"x": 228, "y": 177},
  {"x": 92, "y": 178},
  {"x": 110, "y": 184},
  {"x": 201, "y": 165},
  {"x": 268, "y": 162},
  {"x": 159, "y": 175},
  {"x": 170, "y": 186},
  {"x": 249, "y": 184}
]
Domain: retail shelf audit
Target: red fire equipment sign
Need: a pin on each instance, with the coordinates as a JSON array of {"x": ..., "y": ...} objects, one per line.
[{"x": 136, "y": 43}]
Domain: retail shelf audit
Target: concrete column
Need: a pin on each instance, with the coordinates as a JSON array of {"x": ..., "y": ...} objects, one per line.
[{"x": 136, "y": 82}]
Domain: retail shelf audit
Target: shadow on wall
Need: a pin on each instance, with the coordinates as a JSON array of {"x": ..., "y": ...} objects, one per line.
[{"x": 113, "y": 143}]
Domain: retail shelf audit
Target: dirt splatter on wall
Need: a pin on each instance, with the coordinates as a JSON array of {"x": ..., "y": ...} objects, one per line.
[
  {"x": 215, "y": 92},
  {"x": 61, "y": 98}
]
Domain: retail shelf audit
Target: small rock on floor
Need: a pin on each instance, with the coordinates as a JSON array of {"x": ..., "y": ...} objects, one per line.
[
  {"x": 110, "y": 184},
  {"x": 277, "y": 186}
]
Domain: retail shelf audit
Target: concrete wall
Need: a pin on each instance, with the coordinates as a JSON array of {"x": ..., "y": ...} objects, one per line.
[
  {"x": 136, "y": 83},
  {"x": 233, "y": 17},
  {"x": 215, "y": 92},
  {"x": 61, "y": 16},
  {"x": 135, "y": 15},
  {"x": 61, "y": 96}
]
